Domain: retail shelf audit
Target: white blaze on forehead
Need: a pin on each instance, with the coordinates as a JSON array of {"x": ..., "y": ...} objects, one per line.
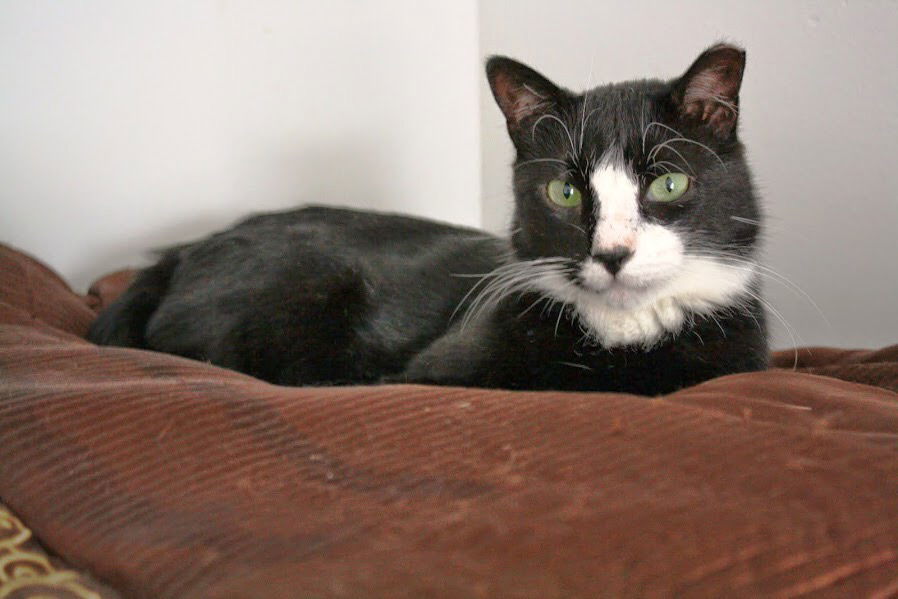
[{"x": 618, "y": 206}]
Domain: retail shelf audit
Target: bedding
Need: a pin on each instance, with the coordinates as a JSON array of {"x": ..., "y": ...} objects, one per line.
[{"x": 141, "y": 474}]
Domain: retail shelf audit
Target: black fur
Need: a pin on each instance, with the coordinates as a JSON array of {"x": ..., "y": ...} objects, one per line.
[
  {"x": 333, "y": 296},
  {"x": 311, "y": 296}
]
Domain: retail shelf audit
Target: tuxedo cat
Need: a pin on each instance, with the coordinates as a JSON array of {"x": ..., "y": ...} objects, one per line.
[{"x": 630, "y": 266}]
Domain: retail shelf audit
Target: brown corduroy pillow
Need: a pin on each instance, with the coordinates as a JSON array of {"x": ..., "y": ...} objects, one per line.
[{"x": 166, "y": 477}]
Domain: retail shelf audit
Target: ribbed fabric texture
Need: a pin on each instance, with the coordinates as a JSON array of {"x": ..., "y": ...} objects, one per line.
[{"x": 169, "y": 478}]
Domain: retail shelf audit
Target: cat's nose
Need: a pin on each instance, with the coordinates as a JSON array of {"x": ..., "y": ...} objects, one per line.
[{"x": 614, "y": 259}]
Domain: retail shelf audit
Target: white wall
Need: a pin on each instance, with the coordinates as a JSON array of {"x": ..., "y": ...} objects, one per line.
[
  {"x": 819, "y": 117},
  {"x": 126, "y": 125}
]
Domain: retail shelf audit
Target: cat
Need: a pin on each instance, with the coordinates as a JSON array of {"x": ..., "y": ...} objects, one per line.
[{"x": 630, "y": 266}]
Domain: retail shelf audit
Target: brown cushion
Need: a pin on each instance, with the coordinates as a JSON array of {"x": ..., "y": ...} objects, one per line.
[
  {"x": 167, "y": 477},
  {"x": 28, "y": 285},
  {"x": 106, "y": 289}
]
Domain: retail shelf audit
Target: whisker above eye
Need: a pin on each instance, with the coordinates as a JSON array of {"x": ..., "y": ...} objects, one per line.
[
  {"x": 679, "y": 137},
  {"x": 662, "y": 163},
  {"x": 535, "y": 160},
  {"x": 663, "y": 145},
  {"x": 658, "y": 124},
  {"x": 666, "y": 144},
  {"x": 583, "y": 125},
  {"x": 560, "y": 122}
]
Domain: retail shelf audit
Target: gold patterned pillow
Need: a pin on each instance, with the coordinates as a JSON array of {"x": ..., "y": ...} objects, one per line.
[{"x": 26, "y": 571}]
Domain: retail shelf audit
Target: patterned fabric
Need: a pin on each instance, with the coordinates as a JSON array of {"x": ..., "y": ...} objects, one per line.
[
  {"x": 27, "y": 572},
  {"x": 169, "y": 478}
]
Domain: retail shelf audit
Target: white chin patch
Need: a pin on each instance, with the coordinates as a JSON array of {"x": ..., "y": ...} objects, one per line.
[
  {"x": 616, "y": 314},
  {"x": 642, "y": 315}
]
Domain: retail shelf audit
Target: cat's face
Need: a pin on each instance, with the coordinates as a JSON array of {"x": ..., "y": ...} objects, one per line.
[{"x": 634, "y": 199}]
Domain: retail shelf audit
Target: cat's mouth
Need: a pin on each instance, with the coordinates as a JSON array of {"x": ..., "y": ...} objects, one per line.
[
  {"x": 622, "y": 292},
  {"x": 618, "y": 294}
]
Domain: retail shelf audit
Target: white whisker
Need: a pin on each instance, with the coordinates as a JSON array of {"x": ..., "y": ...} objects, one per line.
[
  {"x": 583, "y": 117},
  {"x": 514, "y": 277},
  {"x": 782, "y": 320},
  {"x": 558, "y": 322},
  {"x": 661, "y": 163},
  {"x": 555, "y": 160},
  {"x": 679, "y": 137},
  {"x": 579, "y": 228},
  {"x": 748, "y": 221},
  {"x": 666, "y": 144},
  {"x": 686, "y": 140},
  {"x": 662, "y": 125},
  {"x": 726, "y": 104},
  {"x": 575, "y": 365},
  {"x": 560, "y": 122},
  {"x": 765, "y": 271}
]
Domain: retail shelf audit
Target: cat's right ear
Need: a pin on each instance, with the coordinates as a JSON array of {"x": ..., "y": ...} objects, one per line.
[
  {"x": 708, "y": 93},
  {"x": 521, "y": 93}
]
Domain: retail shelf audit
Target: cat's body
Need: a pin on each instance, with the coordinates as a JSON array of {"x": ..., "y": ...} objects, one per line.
[
  {"x": 631, "y": 264},
  {"x": 310, "y": 296}
]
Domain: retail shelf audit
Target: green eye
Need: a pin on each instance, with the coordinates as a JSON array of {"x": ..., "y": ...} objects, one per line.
[
  {"x": 669, "y": 187},
  {"x": 564, "y": 194}
]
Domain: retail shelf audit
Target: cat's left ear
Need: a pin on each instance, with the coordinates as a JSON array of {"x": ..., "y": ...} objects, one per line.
[
  {"x": 709, "y": 91},
  {"x": 521, "y": 93}
]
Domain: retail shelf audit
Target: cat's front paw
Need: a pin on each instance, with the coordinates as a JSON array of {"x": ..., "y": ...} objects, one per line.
[{"x": 669, "y": 313}]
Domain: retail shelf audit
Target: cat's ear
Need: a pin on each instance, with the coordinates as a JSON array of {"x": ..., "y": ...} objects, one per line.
[
  {"x": 520, "y": 92},
  {"x": 709, "y": 91}
]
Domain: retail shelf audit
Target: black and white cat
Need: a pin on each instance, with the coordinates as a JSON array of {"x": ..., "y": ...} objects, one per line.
[{"x": 630, "y": 265}]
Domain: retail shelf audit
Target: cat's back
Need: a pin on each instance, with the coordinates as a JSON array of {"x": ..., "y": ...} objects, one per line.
[
  {"x": 362, "y": 229},
  {"x": 313, "y": 286},
  {"x": 279, "y": 247}
]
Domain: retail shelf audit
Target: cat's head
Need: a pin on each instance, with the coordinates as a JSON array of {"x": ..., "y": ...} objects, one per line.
[{"x": 633, "y": 200}]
